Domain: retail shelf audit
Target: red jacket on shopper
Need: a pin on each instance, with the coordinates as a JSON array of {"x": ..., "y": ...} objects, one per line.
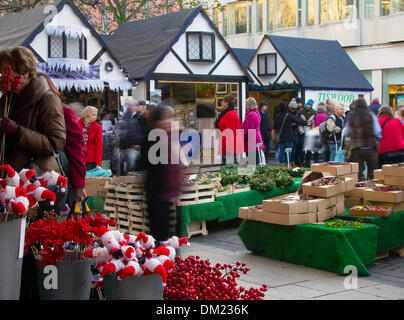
[
  {"x": 231, "y": 121},
  {"x": 94, "y": 144},
  {"x": 392, "y": 135},
  {"x": 75, "y": 149}
]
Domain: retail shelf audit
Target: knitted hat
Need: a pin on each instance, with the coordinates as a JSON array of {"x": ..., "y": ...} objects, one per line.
[
  {"x": 293, "y": 104},
  {"x": 298, "y": 100},
  {"x": 310, "y": 102}
]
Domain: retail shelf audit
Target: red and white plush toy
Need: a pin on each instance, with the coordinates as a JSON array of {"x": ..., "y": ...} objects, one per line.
[
  {"x": 41, "y": 194},
  {"x": 132, "y": 269},
  {"x": 176, "y": 242},
  {"x": 108, "y": 240},
  {"x": 113, "y": 266},
  {"x": 9, "y": 193},
  {"x": 100, "y": 255},
  {"x": 53, "y": 178},
  {"x": 148, "y": 243},
  {"x": 18, "y": 206},
  {"x": 155, "y": 266},
  {"x": 25, "y": 177},
  {"x": 12, "y": 177}
]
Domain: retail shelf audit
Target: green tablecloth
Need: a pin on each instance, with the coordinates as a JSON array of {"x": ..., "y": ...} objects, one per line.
[
  {"x": 226, "y": 207},
  {"x": 313, "y": 246},
  {"x": 390, "y": 230}
]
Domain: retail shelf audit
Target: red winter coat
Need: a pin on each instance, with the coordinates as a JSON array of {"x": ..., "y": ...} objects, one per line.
[
  {"x": 392, "y": 135},
  {"x": 94, "y": 144},
  {"x": 231, "y": 121},
  {"x": 74, "y": 148}
]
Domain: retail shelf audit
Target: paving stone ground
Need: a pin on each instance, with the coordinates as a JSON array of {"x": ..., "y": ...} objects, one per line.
[{"x": 287, "y": 281}]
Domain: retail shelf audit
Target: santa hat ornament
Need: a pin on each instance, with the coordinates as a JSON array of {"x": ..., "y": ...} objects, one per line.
[
  {"x": 113, "y": 266},
  {"x": 12, "y": 177},
  {"x": 18, "y": 206},
  {"x": 132, "y": 269},
  {"x": 119, "y": 238},
  {"x": 41, "y": 194},
  {"x": 9, "y": 193},
  {"x": 176, "y": 242},
  {"x": 167, "y": 251},
  {"x": 53, "y": 178},
  {"x": 155, "y": 266},
  {"x": 100, "y": 255},
  {"x": 108, "y": 240},
  {"x": 148, "y": 241},
  {"x": 26, "y": 175},
  {"x": 128, "y": 253}
]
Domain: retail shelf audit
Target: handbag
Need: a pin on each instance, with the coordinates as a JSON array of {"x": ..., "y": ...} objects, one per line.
[
  {"x": 277, "y": 137},
  {"x": 340, "y": 156}
]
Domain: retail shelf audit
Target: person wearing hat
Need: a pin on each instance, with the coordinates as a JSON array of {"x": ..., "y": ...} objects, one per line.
[
  {"x": 293, "y": 109},
  {"x": 299, "y": 103},
  {"x": 284, "y": 123},
  {"x": 307, "y": 114}
]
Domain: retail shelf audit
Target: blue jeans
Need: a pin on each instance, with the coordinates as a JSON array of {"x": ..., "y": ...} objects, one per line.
[
  {"x": 282, "y": 153},
  {"x": 333, "y": 149}
]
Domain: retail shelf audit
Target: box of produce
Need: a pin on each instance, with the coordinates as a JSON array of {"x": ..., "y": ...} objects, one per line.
[
  {"x": 325, "y": 187},
  {"x": 285, "y": 206},
  {"x": 396, "y": 169},
  {"x": 333, "y": 168},
  {"x": 368, "y": 210},
  {"x": 384, "y": 194}
]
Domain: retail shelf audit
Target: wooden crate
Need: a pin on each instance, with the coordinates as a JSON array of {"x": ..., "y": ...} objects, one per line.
[{"x": 198, "y": 193}]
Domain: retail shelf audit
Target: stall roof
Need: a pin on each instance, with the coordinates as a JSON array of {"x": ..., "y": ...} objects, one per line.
[
  {"x": 320, "y": 64},
  {"x": 142, "y": 44},
  {"x": 244, "y": 55},
  {"x": 20, "y": 29}
]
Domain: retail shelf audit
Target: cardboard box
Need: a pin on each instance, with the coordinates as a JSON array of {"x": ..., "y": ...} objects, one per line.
[
  {"x": 323, "y": 191},
  {"x": 332, "y": 201},
  {"x": 356, "y": 192},
  {"x": 393, "y": 170},
  {"x": 394, "y": 181},
  {"x": 339, "y": 208},
  {"x": 333, "y": 168},
  {"x": 352, "y": 202},
  {"x": 383, "y": 196},
  {"x": 377, "y": 174},
  {"x": 326, "y": 214},
  {"x": 317, "y": 204},
  {"x": 310, "y": 176},
  {"x": 312, "y": 217},
  {"x": 349, "y": 184},
  {"x": 282, "y": 219},
  {"x": 396, "y": 206},
  {"x": 354, "y": 167},
  {"x": 247, "y": 213},
  {"x": 285, "y": 206},
  {"x": 371, "y": 212}
]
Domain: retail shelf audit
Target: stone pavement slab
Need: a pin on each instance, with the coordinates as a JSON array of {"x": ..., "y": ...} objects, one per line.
[{"x": 288, "y": 281}]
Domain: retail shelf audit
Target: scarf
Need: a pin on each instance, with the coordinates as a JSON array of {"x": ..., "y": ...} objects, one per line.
[{"x": 222, "y": 114}]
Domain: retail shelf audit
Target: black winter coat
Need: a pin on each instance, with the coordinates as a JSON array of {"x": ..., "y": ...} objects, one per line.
[
  {"x": 291, "y": 121},
  {"x": 265, "y": 127}
]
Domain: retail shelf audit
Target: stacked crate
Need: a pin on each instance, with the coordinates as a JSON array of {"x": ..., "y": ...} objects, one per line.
[
  {"x": 126, "y": 204},
  {"x": 95, "y": 186},
  {"x": 316, "y": 204},
  {"x": 391, "y": 193}
]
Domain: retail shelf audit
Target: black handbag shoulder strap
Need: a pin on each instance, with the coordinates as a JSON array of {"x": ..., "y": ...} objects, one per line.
[
  {"x": 283, "y": 122},
  {"x": 385, "y": 122},
  {"x": 57, "y": 157}
]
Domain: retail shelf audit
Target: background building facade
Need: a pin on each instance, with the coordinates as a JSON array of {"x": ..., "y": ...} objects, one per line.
[{"x": 371, "y": 32}]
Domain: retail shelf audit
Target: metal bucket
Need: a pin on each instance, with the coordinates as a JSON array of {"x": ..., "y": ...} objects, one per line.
[
  {"x": 12, "y": 237},
  {"x": 65, "y": 280},
  {"x": 134, "y": 288}
]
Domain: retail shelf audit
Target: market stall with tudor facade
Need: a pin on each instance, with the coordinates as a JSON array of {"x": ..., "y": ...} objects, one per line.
[
  {"x": 285, "y": 67},
  {"x": 71, "y": 52}
]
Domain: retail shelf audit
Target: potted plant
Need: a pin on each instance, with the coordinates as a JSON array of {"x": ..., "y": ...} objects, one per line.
[{"x": 62, "y": 271}]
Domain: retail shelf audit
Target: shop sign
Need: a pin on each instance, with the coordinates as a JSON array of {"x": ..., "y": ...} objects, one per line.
[{"x": 343, "y": 97}]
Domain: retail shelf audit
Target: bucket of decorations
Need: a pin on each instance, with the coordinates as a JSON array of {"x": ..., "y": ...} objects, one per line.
[
  {"x": 133, "y": 267},
  {"x": 63, "y": 273},
  {"x": 16, "y": 198}
]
